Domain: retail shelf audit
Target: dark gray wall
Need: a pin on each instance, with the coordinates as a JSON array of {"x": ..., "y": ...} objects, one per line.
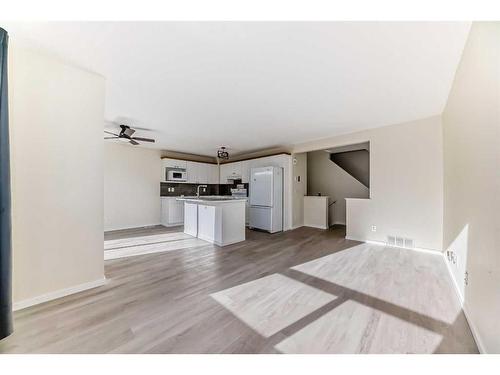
[
  {"x": 190, "y": 189},
  {"x": 356, "y": 163}
]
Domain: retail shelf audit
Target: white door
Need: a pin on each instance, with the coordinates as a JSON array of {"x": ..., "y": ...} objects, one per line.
[{"x": 261, "y": 187}]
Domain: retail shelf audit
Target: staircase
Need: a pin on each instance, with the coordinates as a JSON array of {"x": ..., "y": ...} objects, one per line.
[{"x": 355, "y": 162}]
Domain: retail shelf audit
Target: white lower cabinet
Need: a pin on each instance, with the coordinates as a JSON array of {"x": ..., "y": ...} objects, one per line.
[
  {"x": 247, "y": 213},
  {"x": 191, "y": 219},
  {"x": 219, "y": 222},
  {"x": 206, "y": 222},
  {"x": 172, "y": 211}
]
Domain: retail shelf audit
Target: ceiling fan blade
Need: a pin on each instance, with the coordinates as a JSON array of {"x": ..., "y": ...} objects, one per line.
[
  {"x": 134, "y": 142},
  {"x": 111, "y": 137},
  {"x": 105, "y": 131},
  {"x": 143, "y": 139}
]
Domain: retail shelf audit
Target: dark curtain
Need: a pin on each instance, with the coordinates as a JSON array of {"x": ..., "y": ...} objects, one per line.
[{"x": 5, "y": 223}]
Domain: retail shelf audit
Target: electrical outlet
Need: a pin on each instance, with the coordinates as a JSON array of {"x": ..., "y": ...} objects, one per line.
[{"x": 374, "y": 228}]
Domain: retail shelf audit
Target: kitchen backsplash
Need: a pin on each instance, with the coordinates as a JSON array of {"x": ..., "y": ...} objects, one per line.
[{"x": 190, "y": 189}]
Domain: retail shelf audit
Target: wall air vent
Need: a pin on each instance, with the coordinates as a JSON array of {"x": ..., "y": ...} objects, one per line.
[
  {"x": 408, "y": 243},
  {"x": 396, "y": 241},
  {"x": 391, "y": 240},
  {"x": 400, "y": 242}
]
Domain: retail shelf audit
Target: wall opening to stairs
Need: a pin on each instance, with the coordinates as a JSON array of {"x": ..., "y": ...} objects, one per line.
[{"x": 339, "y": 173}]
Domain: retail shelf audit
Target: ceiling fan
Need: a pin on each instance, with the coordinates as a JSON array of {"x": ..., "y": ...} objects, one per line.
[{"x": 126, "y": 133}]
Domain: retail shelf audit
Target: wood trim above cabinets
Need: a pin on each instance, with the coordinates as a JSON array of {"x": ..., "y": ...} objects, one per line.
[
  {"x": 225, "y": 162},
  {"x": 257, "y": 157},
  {"x": 187, "y": 159}
]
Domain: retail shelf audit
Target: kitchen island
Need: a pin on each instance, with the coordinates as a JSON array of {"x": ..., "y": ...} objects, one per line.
[{"x": 219, "y": 220}]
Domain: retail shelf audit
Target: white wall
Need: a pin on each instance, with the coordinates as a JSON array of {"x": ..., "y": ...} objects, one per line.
[
  {"x": 299, "y": 188},
  {"x": 56, "y": 119},
  {"x": 471, "y": 133},
  {"x": 406, "y": 182},
  {"x": 132, "y": 178},
  {"x": 328, "y": 178}
]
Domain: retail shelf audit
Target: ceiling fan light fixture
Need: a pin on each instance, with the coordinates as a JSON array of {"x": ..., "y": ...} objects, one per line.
[{"x": 126, "y": 135}]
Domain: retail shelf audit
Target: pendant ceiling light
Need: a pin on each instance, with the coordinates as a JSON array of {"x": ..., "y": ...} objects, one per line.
[{"x": 222, "y": 153}]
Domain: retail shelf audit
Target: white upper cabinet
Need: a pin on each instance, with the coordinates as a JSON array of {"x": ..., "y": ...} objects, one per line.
[
  {"x": 203, "y": 173},
  {"x": 197, "y": 173},
  {"x": 269, "y": 161},
  {"x": 213, "y": 174},
  {"x": 230, "y": 171},
  {"x": 174, "y": 163},
  {"x": 245, "y": 171},
  {"x": 192, "y": 172},
  {"x": 224, "y": 172}
]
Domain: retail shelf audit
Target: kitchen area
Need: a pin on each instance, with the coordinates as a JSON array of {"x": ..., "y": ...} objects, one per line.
[{"x": 216, "y": 202}]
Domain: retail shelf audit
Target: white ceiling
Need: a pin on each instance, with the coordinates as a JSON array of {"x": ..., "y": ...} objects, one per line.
[{"x": 257, "y": 85}]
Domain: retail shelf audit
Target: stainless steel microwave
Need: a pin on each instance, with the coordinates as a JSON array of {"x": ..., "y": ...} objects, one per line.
[{"x": 176, "y": 174}]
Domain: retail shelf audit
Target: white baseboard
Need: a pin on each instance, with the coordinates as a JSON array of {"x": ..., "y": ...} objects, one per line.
[
  {"x": 169, "y": 225},
  {"x": 57, "y": 294},
  {"x": 315, "y": 226},
  {"x": 474, "y": 330},
  {"x": 465, "y": 308},
  {"x": 381, "y": 243},
  {"x": 144, "y": 226},
  {"x": 338, "y": 223}
]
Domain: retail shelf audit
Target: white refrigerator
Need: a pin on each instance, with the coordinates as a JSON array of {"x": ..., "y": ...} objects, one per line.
[{"x": 266, "y": 199}]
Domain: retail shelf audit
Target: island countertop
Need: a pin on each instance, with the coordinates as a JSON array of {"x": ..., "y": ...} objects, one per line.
[{"x": 211, "y": 199}]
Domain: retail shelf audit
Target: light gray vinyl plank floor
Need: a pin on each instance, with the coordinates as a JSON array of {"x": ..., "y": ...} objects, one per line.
[{"x": 302, "y": 291}]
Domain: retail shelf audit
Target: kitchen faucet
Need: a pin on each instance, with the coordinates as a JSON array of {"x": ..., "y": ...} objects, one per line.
[{"x": 198, "y": 190}]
